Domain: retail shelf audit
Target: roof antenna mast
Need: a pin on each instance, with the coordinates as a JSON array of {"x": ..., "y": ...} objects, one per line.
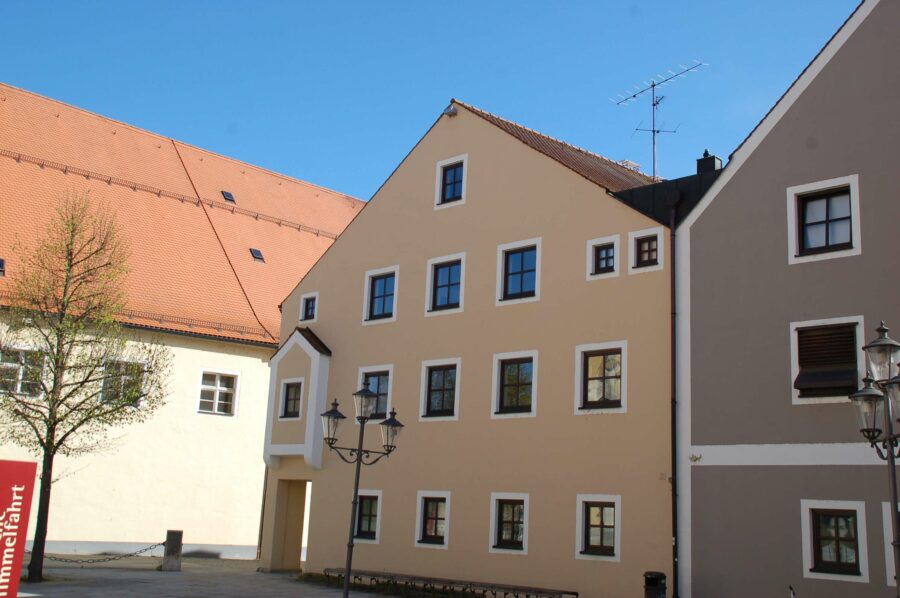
[{"x": 655, "y": 100}]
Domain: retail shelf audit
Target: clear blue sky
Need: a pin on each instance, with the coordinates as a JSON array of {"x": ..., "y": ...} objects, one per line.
[{"x": 337, "y": 93}]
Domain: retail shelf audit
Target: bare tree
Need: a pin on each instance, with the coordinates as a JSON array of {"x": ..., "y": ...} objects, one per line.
[{"x": 68, "y": 370}]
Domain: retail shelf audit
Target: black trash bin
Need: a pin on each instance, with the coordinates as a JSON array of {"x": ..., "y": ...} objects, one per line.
[{"x": 654, "y": 584}]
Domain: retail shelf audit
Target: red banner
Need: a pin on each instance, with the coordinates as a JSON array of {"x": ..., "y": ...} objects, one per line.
[{"x": 16, "y": 488}]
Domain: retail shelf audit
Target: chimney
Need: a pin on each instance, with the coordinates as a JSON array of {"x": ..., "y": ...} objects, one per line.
[{"x": 708, "y": 163}]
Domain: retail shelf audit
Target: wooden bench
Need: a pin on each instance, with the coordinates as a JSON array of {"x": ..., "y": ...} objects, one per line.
[{"x": 447, "y": 585}]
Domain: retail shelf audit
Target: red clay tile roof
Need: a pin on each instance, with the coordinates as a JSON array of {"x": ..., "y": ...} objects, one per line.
[
  {"x": 595, "y": 168},
  {"x": 191, "y": 270}
]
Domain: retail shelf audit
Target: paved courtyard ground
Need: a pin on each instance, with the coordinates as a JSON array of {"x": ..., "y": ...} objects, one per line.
[{"x": 199, "y": 578}]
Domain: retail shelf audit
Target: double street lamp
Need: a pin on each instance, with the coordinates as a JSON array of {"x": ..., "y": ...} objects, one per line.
[
  {"x": 365, "y": 401},
  {"x": 877, "y": 404}
]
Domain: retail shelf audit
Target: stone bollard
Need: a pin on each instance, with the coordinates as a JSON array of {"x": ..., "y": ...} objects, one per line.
[{"x": 172, "y": 555}]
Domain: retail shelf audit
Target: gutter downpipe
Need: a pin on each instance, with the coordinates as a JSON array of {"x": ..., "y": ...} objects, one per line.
[{"x": 674, "y": 362}]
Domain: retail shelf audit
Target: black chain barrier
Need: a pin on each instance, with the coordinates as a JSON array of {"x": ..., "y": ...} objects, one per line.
[{"x": 117, "y": 557}]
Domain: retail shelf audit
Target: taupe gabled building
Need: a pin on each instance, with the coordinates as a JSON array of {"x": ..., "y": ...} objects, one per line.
[
  {"x": 784, "y": 270},
  {"x": 516, "y": 315}
]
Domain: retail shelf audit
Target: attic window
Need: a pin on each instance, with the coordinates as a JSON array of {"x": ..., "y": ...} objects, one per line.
[
  {"x": 228, "y": 196},
  {"x": 2, "y": 267},
  {"x": 257, "y": 255}
]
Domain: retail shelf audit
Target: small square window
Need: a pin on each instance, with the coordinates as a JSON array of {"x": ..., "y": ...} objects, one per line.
[
  {"x": 440, "y": 399},
  {"x": 835, "y": 542},
  {"x": 293, "y": 392},
  {"x": 825, "y": 221},
  {"x": 228, "y": 196},
  {"x": 378, "y": 383},
  {"x": 452, "y": 183},
  {"x": 827, "y": 359},
  {"x": 257, "y": 254},
  {"x": 309, "y": 308},
  {"x": 515, "y": 385},
  {"x": 217, "y": 393},
  {"x": 599, "y": 535},
  {"x": 446, "y": 280},
  {"x": 381, "y": 296},
  {"x": 645, "y": 249},
  {"x": 604, "y": 258},
  {"x": 519, "y": 273},
  {"x": 601, "y": 379},
  {"x": 434, "y": 520},
  {"x": 122, "y": 383},
  {"x": 510, "y": 518},
  {"x": 367, "y": 517}
]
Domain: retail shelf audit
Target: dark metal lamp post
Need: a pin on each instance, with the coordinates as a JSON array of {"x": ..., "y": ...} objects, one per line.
[
  {"x": 364, "y": 401},
  {"x": 876, "y": 416}
]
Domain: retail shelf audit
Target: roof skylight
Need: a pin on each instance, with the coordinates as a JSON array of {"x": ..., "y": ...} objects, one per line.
[
  {"x": 228, "y": 196},
  {"x": 257, "y": 254}
]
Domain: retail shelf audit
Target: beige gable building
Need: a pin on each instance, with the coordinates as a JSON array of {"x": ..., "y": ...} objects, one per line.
[{"x": 517, "y": 317}]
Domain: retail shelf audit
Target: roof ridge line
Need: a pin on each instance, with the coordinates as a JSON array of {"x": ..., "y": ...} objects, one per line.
[
  {"x": 133, "y": 185},
  {"x": 167, "y": 138},
  {"x": 477, "y": 110}
]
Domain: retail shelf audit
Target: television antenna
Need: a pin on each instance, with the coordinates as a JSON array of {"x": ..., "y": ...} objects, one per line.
[{"x": 656, "y": 100}]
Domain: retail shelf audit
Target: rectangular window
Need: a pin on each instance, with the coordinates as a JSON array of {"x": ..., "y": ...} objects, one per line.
[
  {"x": 292, "y": 399},
  {"x": 217, "y": 393},
  {"x": 367, "y": 517},
  {"x": 309, "y": 308},
  {"x": 445, "y": 286},
  {"x": 434, "y": 520},
  {"x": 2, "y": 267},
  {"x": 827, "y": 359},
  {"x": 21, "y": 372},
  {"x": 599, "y": 528},
  {"x": 515, "y": 385},
  {"x": 645, "y": 250},
  {"x": 452, "y": 183},
  {"x": 510, "y": 532},
  {"x": 602, "y": 379},
  {"x": 604, "y": 258},
  {"x": 520, "y": 273},
  {"x": 441, "y": 397},
  {"x": 122, "y": 383},
  {"x": 381, "y": 296},
  {"x": 825, "y": 221},
  {"x": 379, "y": 383},
  {"x": 835, "y": 543}
]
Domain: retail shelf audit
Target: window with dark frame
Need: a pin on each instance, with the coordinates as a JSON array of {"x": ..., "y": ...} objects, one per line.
[
  {"x": 510, "y": 524},
  {"x": 441, "y": 397},
  {"x": 434, "y": 520},
  {"x": 378, "y": 382},
  {"x": 451, "y": 183},
  {"x": 122, "y": 382},
  {"x": 309, "y": 308},
  {"x": 2, "y": 267},
  {"x": 835, "y": 542},
  {"x": 229, "y": 196},
  {"x": 445, "y": 285},
  {"x": 381, "y": 296},
  {"x": 601, "y": 378},
  {"x": 520, "y": 273},
  {"x": 827, "y": 358},
  {"x": 825, "y": 221},
  {"x": 645, "y": 251},
  {"x": 367, "y": 517},
  {"x": 604, "y": 258},
  {"x": 293, "y": 391},
  {"x": 257, "y": 254},
  {"x": 515, "y": 385},
  {"x": 599, "y": 528}
]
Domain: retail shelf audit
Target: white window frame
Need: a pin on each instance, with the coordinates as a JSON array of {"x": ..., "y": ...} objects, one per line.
[
  {"x": 793, "y": 204},
  {"x": 589, "y": 261},
  {"x": 201, "y": 387},
  {"x": 368, "y": 369},
  {"x": 377, "y": 539},
  {"x": 495, "y": 497},
  {"x": 423, "y": 389},
  {"x": 501, "y": 253},
  {"x": 580, "y": 499},
  {"x": 284, "y": 383},
  {"x": 439, "y": 175},
  {"x": 315, "y": 295},
  {"x": 580, "y": 350},
  {"x": 367, "y": 289},
  {"x": 806, "y": 507},
  {"x": 421, "y": 495},
  {"x": 886, "y": 524},
  {"x": 143, "y": 379},
  {"x": 795, "y": 357},
  {"x": 659, "y": 231},
  {"x": 429, "y": 286},
  {"x": 20, "y": 369},
  {"x": 495, "y": 384}
]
